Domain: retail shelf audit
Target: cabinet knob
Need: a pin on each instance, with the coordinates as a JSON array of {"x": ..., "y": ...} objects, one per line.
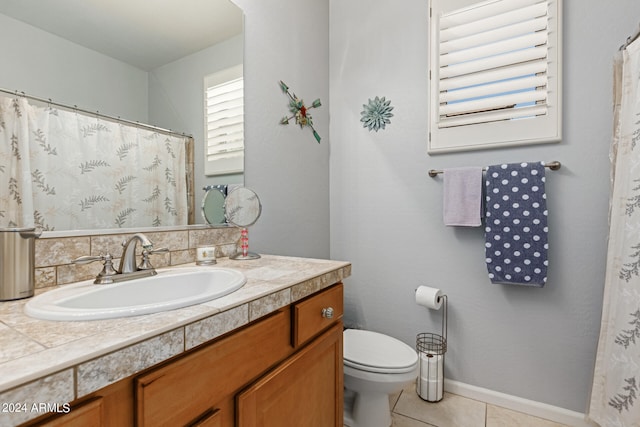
[{"x": 327, "y": 313}]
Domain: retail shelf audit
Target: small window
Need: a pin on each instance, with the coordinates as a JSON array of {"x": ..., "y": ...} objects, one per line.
[
  {"x": 494, "y": 73},
  {"x": 224, "y": 122}
]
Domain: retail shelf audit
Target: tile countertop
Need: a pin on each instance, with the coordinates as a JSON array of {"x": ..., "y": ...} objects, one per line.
[{"x": 56, "y": 362}]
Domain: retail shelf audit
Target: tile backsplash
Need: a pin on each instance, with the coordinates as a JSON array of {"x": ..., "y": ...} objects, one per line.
[{"x": 54, "y": 255}]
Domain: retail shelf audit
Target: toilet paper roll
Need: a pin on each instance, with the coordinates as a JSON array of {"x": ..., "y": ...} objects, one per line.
[
  {"x": 431, "y": 390},
  {"x": 429, "y": 297},
  {"x": 431, "y": 366}
]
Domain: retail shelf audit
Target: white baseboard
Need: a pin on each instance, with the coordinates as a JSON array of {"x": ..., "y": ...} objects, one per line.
[{"x": 531, "y": 407}]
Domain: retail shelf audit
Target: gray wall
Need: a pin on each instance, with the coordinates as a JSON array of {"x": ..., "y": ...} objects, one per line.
[
  {"x": 41, "y": 64},
  {"x": 386, "y": 212},
  {"x": 176, "y": 101},
  {"x": 287, "y": 40}
]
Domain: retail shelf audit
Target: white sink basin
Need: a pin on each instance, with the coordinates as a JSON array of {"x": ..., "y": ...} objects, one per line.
[{"x": 171, "y": 288}]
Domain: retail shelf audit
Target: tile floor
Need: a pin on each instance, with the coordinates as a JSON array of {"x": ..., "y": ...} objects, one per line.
[{"x": 456, "y": 411}]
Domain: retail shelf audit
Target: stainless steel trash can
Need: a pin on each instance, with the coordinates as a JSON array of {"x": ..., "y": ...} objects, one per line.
[{"x": 17, "y": 262}]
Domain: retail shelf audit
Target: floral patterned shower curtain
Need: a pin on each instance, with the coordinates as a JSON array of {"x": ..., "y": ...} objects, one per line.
[
  {"x": 616, "y": 385},
  {"x": 65, "y": 171}
]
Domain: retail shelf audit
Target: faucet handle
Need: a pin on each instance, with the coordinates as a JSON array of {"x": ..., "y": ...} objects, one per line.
[
  {"x": 88, "y": 259},
  {"x": 158, "y": 251},
  {"x": 105, "y": 276},
  {"x": 146, "y": 264}
]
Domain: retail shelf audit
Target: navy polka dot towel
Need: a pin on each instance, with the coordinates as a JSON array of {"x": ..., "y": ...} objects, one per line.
[{"x": 516, "y": 224}]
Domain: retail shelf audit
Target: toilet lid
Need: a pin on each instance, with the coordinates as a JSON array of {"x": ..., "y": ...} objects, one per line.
[{"x": 375, "y": 352}]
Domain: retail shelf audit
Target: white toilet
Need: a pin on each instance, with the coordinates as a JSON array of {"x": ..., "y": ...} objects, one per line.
[{"x": 375, "y": 366}]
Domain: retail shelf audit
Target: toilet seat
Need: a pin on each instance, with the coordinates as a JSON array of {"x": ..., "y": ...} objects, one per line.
[{"x": 374, "y": 352}]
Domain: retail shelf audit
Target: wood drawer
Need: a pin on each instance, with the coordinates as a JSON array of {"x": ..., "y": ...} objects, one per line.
[{"x": 311, "y": 316}]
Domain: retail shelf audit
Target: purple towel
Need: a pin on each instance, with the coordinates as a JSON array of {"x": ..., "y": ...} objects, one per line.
[
  {"x": 516, "y": 224},
  {"x": 462, "y": 196}
]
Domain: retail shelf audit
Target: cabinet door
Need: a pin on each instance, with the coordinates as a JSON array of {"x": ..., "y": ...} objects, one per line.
[
  {"x": 110, "y": 406},
  {"x": 89, "y": 413},
  {"x": 305, "y": 390}
]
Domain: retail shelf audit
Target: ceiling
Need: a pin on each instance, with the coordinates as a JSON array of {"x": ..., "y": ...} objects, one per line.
[{"x": 143, "y": 33}]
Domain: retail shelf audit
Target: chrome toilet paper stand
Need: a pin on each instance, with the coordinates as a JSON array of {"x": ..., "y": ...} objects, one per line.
[{"x": 431, "y": 353}]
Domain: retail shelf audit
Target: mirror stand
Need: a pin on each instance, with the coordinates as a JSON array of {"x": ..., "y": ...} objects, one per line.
[{"x": 244, "y": 253}]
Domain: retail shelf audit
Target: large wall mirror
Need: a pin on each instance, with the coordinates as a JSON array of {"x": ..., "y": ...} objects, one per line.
[{"x": 128, "y": 59}]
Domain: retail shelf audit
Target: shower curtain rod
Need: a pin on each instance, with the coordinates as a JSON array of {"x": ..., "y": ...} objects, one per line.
[
  {"x": 553, "y": 165},
  {"x": 97, "y": 114},
  {"x": 631, "y": 38}
]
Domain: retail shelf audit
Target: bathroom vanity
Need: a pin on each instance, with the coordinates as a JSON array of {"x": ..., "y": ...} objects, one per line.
[{"x": 266, "y": 355}]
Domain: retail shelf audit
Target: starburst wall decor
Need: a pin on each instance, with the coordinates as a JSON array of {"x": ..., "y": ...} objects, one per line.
[
  {"x": 376, "y": 114},
  {"x": 300, "y": 111}
]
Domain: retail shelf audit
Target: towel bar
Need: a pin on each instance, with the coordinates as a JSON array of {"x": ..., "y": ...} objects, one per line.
[{"x": 554, "y": 166}]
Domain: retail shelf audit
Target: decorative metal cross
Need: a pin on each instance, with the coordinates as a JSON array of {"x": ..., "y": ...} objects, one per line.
[{"x": 299, "y": 111}]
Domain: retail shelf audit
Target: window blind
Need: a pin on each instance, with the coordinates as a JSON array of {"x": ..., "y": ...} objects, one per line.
[
  {"x": 493, "y": 62},
  {"x": 225, "y": 127},
  {"x": 495, "y": 73}
]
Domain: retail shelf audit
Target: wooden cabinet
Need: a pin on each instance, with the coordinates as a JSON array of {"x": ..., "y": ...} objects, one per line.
[
  {"x": 303, "y": 380},
  {"x": 282, "y": 370},
  {"x": 181, "y": 392},
  {"x": 305, "y": 390}
]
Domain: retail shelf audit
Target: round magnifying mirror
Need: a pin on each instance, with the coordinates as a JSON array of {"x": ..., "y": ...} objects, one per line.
[
  {"x": 242, "y": 208},
  {"x": 213, "y": 206}
]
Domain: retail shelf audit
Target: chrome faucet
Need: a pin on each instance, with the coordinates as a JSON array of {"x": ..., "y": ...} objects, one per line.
[
  {"x": 128, "y": 259},
  {"x": 127, "y": 270}
]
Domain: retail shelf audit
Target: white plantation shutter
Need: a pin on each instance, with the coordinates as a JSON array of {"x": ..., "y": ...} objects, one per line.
[
  {"x": 224, "y": 127},
  {"x": 494, "y": 73}
]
